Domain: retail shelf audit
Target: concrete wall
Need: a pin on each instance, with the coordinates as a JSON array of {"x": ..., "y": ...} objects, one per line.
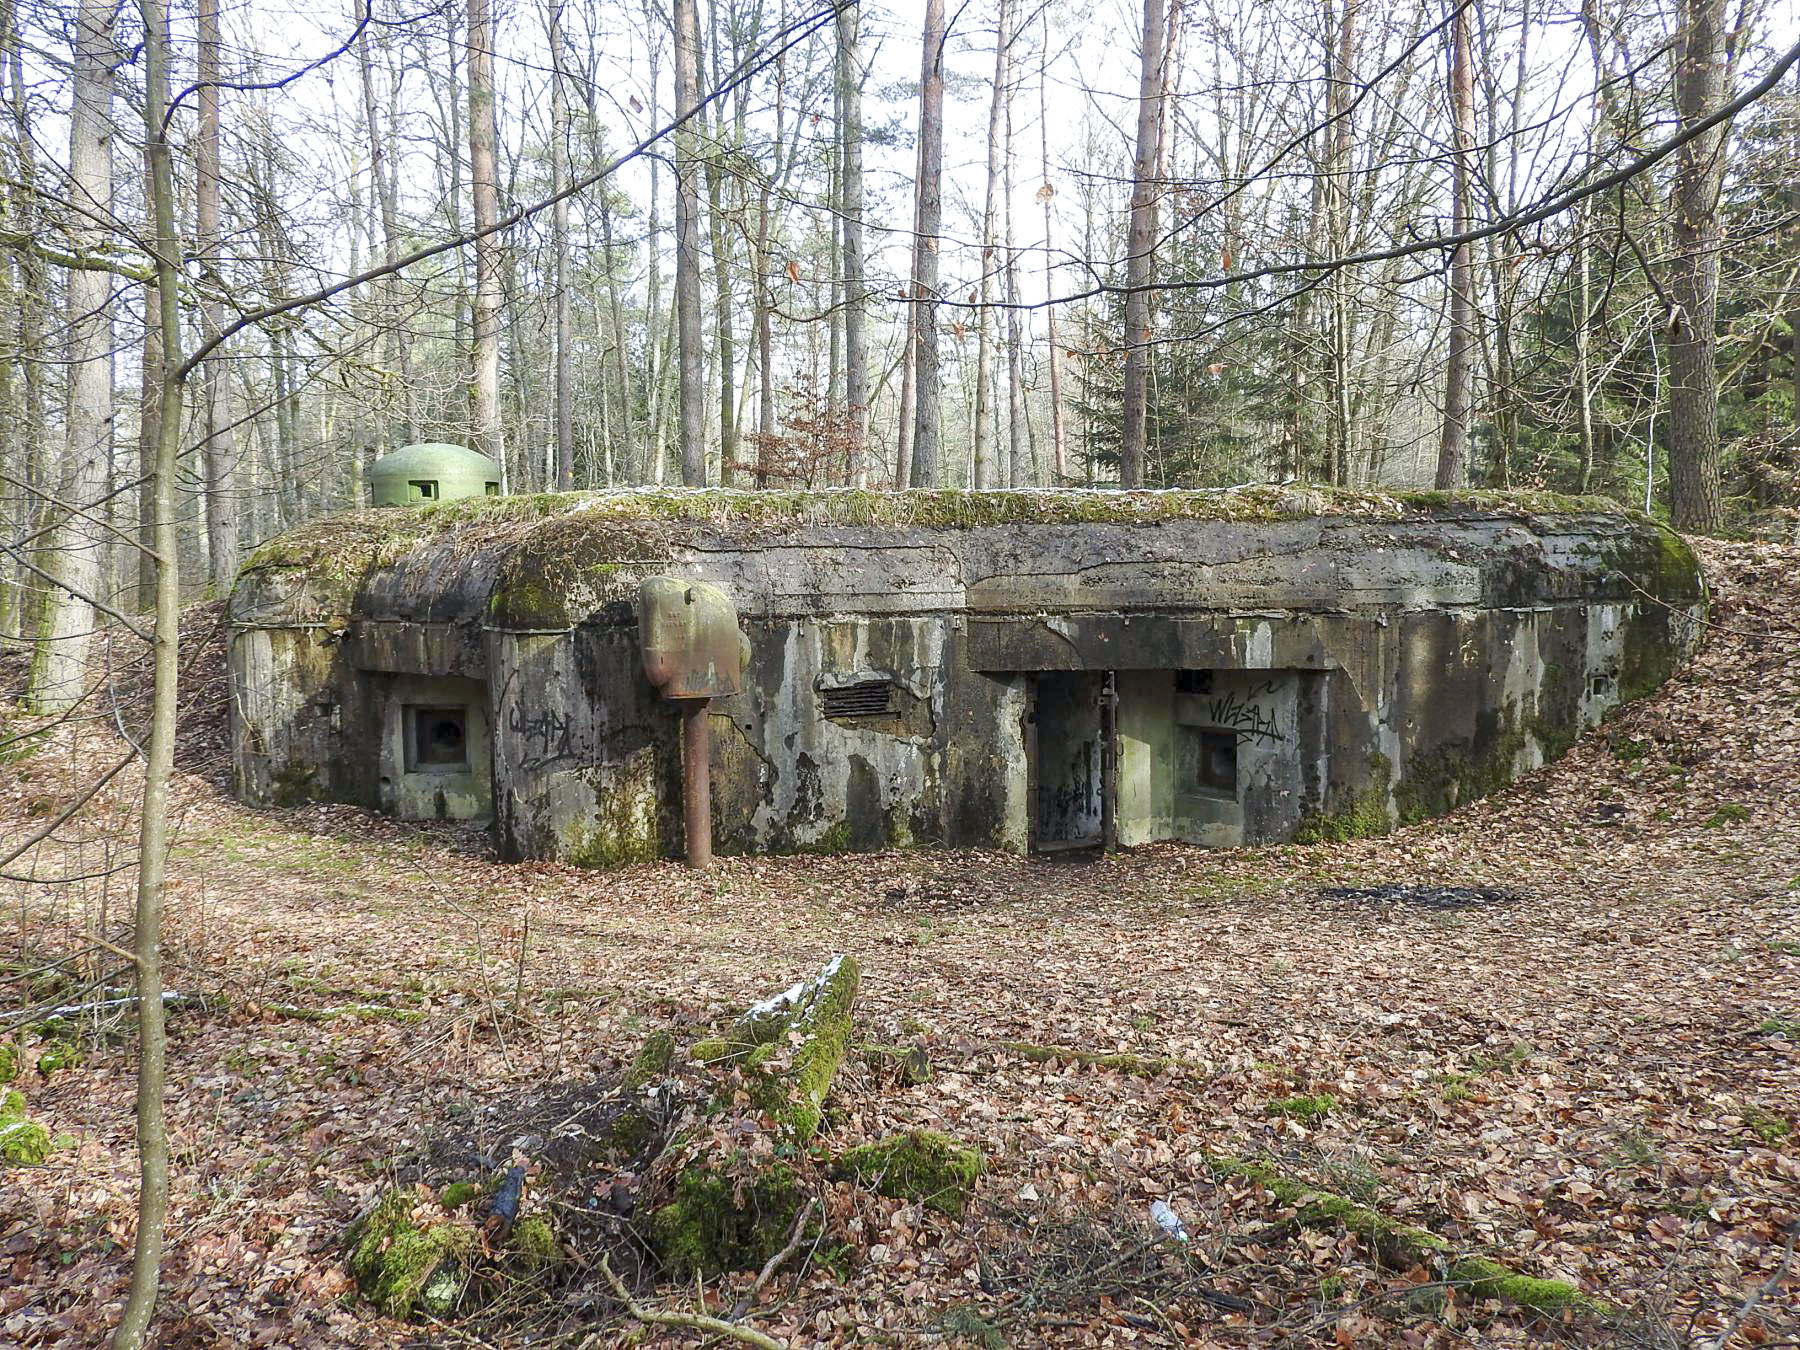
[{"x": 913, "y": 684}]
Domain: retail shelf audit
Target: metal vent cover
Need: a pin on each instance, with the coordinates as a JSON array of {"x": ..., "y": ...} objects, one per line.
[{"x": 865, "y": 698}]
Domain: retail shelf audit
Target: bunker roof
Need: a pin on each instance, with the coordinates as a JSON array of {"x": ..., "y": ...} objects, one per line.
[{"x": 552, "y": 559}]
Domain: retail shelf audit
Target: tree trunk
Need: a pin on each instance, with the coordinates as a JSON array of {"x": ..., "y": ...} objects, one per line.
[
  {"x": 850, "y": 160},
  {"x": 1047, "y": 193},
  {"x": 27, "y": 437},
  {"x": 724, "y": 329},
  {"x": 1140, "y": 249},
  {"x": 628, "y": 434},
  {"x": 484, "y": 347},
  {"x": 220, "y": 442},
  {"x": 399, "y": 348},
  {"x": 692, "y": 390},
  {"x": 984, "y": 475},
  {"x": 564, "y": 395},
  {"x": 1453, "y": 444},
  {"x": 1694, "y": 490},
  {"x": 927, "y": 220},
  {"x": 149, "y": 438},
  {"x": 1023, "y": 472},
  {"x": 59, "y": 669},
  {"x": 153, "y": 841}
]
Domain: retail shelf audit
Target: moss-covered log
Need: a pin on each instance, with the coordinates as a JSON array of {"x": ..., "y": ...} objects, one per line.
[
  {"x": 733, "y": 1212},
  {"x": 790, "y": 1046},
  {"x": 1401, "y": 1245},
  {"x": 921, "y": 1165}
]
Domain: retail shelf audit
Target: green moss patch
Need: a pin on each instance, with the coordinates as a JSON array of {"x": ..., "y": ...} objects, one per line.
[
  {"x": 408, "y": 1251},
  {"x": 23, "y": 1143},
  {"x": 534, "y": 1243},
  {"x": 9, "y": 1061},
  {"x": 1303, "y": 1107},
  {"x": 717, "y": 1222},
  {"x": 921, "y": 1165},
  {"x": 652, "y": 1061}
]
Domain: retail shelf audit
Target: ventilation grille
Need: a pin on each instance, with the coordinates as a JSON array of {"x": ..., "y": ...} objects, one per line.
[{"x": 869, "y": 698}]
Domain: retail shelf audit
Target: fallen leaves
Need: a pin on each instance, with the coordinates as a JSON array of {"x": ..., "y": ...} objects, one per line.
[{"x": 1576, "y": 1081}]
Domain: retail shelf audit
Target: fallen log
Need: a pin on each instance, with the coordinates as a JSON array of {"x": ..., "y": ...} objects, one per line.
[{"x": 1402, "y": 1245}]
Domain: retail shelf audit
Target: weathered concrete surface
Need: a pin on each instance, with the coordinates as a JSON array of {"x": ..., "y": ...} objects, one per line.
[{"x": 1352, "y": 660}]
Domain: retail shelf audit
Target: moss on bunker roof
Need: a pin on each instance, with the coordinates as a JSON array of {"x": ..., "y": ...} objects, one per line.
[{"x": 350, "y": 544}]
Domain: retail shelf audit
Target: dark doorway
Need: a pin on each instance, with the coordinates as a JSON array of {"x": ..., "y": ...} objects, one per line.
[{"x": 1067, "y": 774}]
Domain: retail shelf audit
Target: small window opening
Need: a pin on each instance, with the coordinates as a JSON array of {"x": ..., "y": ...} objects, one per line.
[
  {"x": 437, "y": 739},
  {"x": 1600, "y": 686},
  {"x": 493, "y": 489},
  {"x": 1209, "y": 762},
  {"x": 1193, "y": 681},
  {"x": 866, "y": 698},
  {"x": 425, "y": 488}
]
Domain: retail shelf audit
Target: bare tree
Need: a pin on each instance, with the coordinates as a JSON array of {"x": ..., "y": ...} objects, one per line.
[
  {"x": 985, "y": 475},
  {"x": 1700, "y": 55},
  {"x": 59, "y": 669},
  {"x": 383, "y": 172},
  {"x": 927, "y": 222},
  {"x": 484, "y": 346},
  {"x": 159, "y": 752},
  {"x": 692, "y": 392},
  {"x": 219, "y": 446},
  {"x": 559, "y": 231},
  {"x": 1140, "y": 248},
  {"x": 1047, "y": 194},
  {"x": 850, "y": 211},
  {"x": 1452, "y": 465}
]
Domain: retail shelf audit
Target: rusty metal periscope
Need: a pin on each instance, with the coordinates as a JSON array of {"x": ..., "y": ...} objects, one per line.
[{"x": 693, "y": 653}]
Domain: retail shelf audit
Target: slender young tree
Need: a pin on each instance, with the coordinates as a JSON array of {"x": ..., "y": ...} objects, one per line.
[
  {"x": 850, "y": 211},
  {"x": 1453, "y": 443},
  {"x": 564, "y": 395},
  {"x": 489, "y": 436},
  {"x": 984, "y": 475},
  {"x": 692, "y": 391},
  {"x": 382, "y": 171},
  {"x": 1140, "y": 248},
  {"x": 59, "y": 670},
  {"x": 1047, "y": 194},
  {"x": 159, "y": 752},
  {"x": 927, "y": 221}
]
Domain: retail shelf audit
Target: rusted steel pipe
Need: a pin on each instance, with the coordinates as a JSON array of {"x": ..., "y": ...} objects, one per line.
[{"x": 696, "y": 781}]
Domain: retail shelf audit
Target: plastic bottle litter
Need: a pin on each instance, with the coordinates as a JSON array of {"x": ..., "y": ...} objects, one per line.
[{"x": 1168, "y": 1220}]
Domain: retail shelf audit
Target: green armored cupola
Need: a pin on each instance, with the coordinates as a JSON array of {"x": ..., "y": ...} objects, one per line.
[{"x": 434, "y": 471}]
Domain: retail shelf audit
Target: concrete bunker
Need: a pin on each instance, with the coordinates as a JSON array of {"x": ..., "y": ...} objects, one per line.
[{"x": 1015, "y": 670}]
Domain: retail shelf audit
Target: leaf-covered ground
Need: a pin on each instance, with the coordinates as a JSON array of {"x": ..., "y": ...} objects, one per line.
[{"x": 1593, "y": 1074}]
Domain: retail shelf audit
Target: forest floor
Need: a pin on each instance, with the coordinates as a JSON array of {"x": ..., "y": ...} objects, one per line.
[{"x": 1593, "y": 1075}]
